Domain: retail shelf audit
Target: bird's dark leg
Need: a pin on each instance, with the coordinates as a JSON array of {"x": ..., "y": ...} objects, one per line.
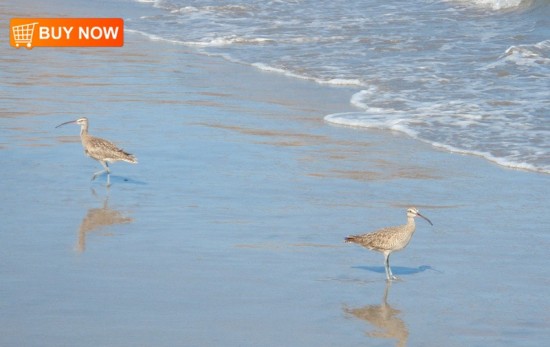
[
  {"x": 97, "y": 174},
  {"x": 387, "y": 265},
  {"x": 106, "y": 169},
  {"x": 108, "y": 174},
  {"x": 389, "y": 274}
]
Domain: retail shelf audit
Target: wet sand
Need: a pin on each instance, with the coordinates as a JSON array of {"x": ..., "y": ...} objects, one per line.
[{"x": 230, "y": 229}]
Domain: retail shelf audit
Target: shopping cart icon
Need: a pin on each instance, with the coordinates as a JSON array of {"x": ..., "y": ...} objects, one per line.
[{"x": 22, "y": 34}]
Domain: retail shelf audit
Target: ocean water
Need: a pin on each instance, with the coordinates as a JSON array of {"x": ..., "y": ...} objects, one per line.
[{"x": 468, "y": 76}]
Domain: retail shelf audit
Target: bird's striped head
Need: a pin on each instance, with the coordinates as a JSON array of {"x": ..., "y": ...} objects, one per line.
[
  {"x": 413, "y": 212},
  {"x": 82, "y": 121}
]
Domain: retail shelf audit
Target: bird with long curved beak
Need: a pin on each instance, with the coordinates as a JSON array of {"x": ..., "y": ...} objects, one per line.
[
  {"x": 100, "y": 149},
  {"x": 390, "y": 239}
]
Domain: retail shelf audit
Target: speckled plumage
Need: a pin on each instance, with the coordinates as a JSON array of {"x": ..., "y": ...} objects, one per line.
[
  {"x": 103, "y": 150},
  {"x": 389, "y": 239},
  {"x": 100, "y": 149}
]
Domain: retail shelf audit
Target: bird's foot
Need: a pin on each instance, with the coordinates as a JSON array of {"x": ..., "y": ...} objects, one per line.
[
  {"x": 96, "y": 175},
  {"x": 99, "y": 173},
  {"x": 392, "y": 278}
]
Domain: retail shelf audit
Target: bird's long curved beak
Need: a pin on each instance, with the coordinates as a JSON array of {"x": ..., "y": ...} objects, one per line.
[
  {"x": 71, "y": 121},
  {"x": 429, "y": 221}
]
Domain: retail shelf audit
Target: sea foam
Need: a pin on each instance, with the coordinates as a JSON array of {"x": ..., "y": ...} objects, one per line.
[
  {"x": 495, "y": 4},
  {"x": 399, "y": 123},
  {"x": 463, "y": 75}
]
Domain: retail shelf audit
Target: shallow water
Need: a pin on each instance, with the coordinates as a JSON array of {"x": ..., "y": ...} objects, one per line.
[
  {"x": 230, "y": 229},
  {"x": 465, "y": 76}
]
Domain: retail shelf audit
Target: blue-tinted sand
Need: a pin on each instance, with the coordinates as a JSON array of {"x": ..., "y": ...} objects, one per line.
[{"x": 230, "y": 230}]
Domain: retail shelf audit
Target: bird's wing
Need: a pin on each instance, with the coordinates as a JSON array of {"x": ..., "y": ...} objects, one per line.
[
  {"x": 380, "y": 239},
  {"x": 102, "y": 149}
]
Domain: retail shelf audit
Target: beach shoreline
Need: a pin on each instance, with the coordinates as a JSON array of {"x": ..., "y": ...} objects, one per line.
[{"x": 230, "y": 229}]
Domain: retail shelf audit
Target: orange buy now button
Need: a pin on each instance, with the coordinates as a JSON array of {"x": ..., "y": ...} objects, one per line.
[{"x": 66, "y": 32}]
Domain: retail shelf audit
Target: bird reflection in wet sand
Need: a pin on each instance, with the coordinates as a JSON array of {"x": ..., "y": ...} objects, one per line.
[
  {"x": 98, "y": 218},
  {"x": 384, "y": 319}
]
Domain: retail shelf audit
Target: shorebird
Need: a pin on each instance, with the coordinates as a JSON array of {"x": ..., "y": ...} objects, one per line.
[
  {"x": 390, "y": 239},
  {"x": 99, "y": 149}
]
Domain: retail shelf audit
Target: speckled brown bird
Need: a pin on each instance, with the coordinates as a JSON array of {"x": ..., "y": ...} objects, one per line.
[
  {"x": 390, "y": 239},
  {"x": 100, "y": 149}
]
